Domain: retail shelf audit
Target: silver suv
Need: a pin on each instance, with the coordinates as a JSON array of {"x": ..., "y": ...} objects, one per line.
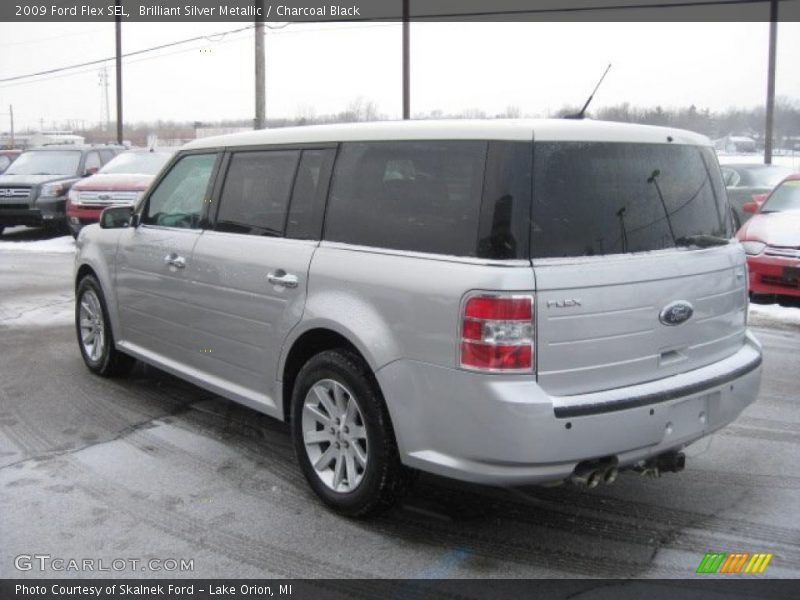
[{"x": 503, "y": 302}]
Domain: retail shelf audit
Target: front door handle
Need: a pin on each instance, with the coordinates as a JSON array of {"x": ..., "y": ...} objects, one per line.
[
  {"x": 173, "y": 260},
  {"x": 282, "y": 278}
]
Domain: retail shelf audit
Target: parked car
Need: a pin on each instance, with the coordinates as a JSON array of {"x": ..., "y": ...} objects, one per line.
[
  {"x": 444, "y": 296},
  {"x": 33, "y": 190},
  {"x": 6, "y": 158},
  {"x": 121, "y": 181},
  {"x": 771, "y": 239},
  {"x": 750, "y": 183}
]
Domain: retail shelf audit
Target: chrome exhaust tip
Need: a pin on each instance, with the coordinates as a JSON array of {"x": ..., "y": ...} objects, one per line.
[
  {"x": 592, "y": 472},
  {"x": 610, "y": 475}
]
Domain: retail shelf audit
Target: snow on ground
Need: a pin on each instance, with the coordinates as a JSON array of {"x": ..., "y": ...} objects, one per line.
[
  {"x": 37, "y": 311},
  {"x": 774, "y": 315},
  {"x": 786, "y": 160},
  {"x": 60, "y": 245}
]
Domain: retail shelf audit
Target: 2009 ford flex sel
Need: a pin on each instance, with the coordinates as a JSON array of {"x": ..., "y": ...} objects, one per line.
[{"x": 504, "y": 302}]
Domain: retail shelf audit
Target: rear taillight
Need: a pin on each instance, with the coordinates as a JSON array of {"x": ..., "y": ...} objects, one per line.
[{"x": 497, "y": 333}]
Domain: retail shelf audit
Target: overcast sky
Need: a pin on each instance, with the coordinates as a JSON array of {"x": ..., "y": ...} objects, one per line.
[{"x": 318, "y": 69}]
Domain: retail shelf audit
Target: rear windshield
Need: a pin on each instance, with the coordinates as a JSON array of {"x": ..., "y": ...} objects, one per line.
[{"x": 595, "y": 198}]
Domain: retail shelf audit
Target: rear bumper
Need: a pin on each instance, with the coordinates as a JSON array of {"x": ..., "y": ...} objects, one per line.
[
  {"x": 767, "y": 275},
  {"x": 44, "y": 210},
  {"x": 504, "y": 430}
]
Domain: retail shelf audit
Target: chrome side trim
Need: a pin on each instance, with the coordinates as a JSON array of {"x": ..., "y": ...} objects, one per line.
[{"x": 469, "y": 260}]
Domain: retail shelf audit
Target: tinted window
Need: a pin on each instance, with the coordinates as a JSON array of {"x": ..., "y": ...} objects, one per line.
[
  {"x": 255, "y": 195},
  {"x": 179, "y": 199},
  {"x": 419, "y": 196},
  {"x": 308, "y": 196},
  {"x": 785, "y": 197},
  {"x": 505, "y": 212},
  {"x": 604, "y": 198}
]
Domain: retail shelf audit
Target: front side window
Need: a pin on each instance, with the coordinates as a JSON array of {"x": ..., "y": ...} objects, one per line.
[
  {"x": 179, "y": 199},
  {"x": 421, "y": 196},
  {"x": 595, "y": 198},
  {"x": 255, "y": 196},
  {"x": 92, "y": 163}
]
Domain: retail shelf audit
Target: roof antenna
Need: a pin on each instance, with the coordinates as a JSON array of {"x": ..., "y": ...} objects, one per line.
[{"x": 579, "y": 115}]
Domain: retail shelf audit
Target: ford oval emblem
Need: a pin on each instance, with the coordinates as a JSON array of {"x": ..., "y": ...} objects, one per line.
[{"x": 676, "y": 313}]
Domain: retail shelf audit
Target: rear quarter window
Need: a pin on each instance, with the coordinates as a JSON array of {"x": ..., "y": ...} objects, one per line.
[{"x": 420, "y": 196}]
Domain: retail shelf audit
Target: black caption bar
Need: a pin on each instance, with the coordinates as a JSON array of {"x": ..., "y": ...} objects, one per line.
[
  {"x": 392, "y": 10},
  {"x": 385, "y": 589}
]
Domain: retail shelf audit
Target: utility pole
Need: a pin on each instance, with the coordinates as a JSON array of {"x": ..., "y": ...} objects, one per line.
[
  {"x": 118, "y": 27},
  {"x": 11, "y": 114},
  {"x": 406, "y": 62},
  {"x": 260, "y": 121},
  {"x": 773, "y": 42},
  {"x": 106, "y": 114}
]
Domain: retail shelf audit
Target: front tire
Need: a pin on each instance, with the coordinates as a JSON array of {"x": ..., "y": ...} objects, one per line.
[
  {"x": 343, "y": 435},
  {"x": 95, "y": 338}
]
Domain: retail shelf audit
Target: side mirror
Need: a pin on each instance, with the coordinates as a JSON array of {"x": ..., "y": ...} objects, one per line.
[
  {"x": 116, "y": 217},
  {"x": 90, "y": 171},
  {"x": 759, "y": 198},
  {"x": 750, "y": 207}
]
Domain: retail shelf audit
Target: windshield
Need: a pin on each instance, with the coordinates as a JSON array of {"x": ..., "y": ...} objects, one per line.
[
  {"x": 594, "y": 198},
  {"x": 46, "y": 162},
  {"x": 785, "y": 197},
  {"x": 145, "y": 163},
  {"x": 768, "y": 176}
]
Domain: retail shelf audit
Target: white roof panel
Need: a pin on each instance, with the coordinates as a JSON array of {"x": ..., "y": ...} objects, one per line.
[{"x": 457, "y": 129}]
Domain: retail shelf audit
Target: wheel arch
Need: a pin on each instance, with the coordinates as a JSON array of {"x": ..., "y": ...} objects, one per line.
[{"x": 308, "y": 344}]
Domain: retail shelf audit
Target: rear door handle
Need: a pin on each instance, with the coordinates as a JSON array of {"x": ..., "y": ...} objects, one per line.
[
  {"x": 282, "y": 278},
  {"x": 173, "y": 260}
]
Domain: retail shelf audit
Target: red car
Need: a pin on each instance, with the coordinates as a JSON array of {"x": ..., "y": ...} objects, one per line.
[
  {"x": 771, "y": 239},
  {"x": 121, "y": 181}
]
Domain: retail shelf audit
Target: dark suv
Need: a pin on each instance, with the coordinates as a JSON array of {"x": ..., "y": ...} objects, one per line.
[{"x": 33, "y": 190}]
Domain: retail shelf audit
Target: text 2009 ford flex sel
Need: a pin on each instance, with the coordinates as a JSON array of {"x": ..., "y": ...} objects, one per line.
[{"x": 504, "y": 302}]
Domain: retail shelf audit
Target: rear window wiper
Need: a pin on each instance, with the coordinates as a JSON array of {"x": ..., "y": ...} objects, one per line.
[{"x": 702, "y": 241}]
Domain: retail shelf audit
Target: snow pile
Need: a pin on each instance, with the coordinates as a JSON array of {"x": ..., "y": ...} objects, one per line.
[
  {"x": 38, "y": 311},
  {"x": 774, "y": 315},
  {"x": 60, "y": 245}
]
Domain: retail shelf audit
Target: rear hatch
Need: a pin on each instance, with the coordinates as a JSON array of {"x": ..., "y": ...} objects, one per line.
[{"x": 635, "y": 278}]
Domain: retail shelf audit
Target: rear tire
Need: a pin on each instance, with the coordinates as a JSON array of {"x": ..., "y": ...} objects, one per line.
[
  {"x": 93, "y": 328},
  {"x": 343, "y": 435}
]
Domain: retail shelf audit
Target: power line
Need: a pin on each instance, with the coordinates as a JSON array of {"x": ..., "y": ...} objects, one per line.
[
  {"x": 73, "y": 73},
  {"x": 126, "y": 55}
]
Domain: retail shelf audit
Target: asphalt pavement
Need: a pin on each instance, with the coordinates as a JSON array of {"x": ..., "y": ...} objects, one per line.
[{"x": 149, "y": 467}]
